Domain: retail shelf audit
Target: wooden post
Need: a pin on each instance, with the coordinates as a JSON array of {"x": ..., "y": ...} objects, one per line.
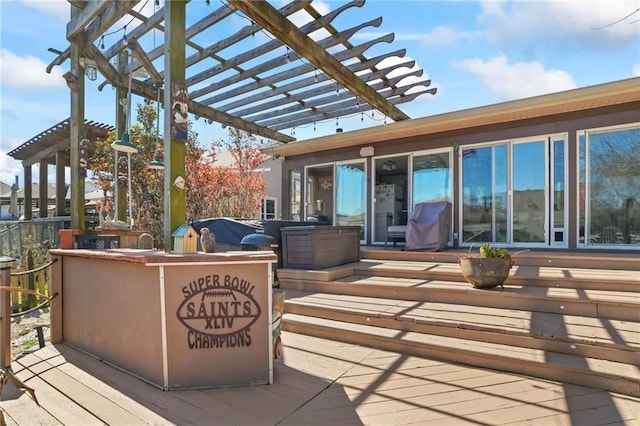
[
  {"x": 43, "y": 190},
  {"x": 174, "y": 149},
  {"x": 5, "y": 312},
  {"x": 28, "y": 192},
  {"x": 55, "y": 280},
  {"x": 31, "y": 283},
  {"x": 120, "y": 194},
  {"x": 76, "y": 131},
  {"x": 61, "y": 190}
]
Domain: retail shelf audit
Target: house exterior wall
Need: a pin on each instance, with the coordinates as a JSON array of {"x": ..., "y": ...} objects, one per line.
[{"x": 566, "y": 123}]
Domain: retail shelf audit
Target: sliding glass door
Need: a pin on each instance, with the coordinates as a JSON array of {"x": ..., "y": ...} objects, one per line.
[
  {"x": 485, "y": 205},
  {"x": 337, "y": 193},
  {"x": 351, "y": 195},
  {"x": 514, "y": 193}
]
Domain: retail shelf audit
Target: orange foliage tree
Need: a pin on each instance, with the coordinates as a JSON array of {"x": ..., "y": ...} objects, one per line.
[{"x": 238, "y": 188}]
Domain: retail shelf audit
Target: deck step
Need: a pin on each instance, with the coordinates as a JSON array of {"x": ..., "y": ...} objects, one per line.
[
  {"x": 597, "y": 373},
  {"x": 569, "y": 320},
  {"x": 609, "y": 305},
  {"x": 588, "y": 279},
  {"x": 540, "y": 258},
  {"x": 552, "y": 332}
]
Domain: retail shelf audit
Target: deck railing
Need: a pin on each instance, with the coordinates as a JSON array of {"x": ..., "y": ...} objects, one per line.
[{"x": 36, "y": 283}]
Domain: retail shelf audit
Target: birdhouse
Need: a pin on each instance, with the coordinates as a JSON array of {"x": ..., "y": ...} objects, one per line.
[{"x": 185, "y": 239}]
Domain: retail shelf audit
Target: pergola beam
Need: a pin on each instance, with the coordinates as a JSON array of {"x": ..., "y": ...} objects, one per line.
[
  {"x": 144, "y": 60},
  {"x": 89, "y": 12},
  {"x": 267, "y": 17},
  {"x": 109, "y": 16}
]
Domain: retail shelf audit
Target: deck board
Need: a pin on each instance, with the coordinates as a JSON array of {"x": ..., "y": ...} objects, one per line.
[{"x": 318, "y": 382}]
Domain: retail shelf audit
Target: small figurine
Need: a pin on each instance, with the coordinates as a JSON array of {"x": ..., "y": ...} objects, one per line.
[{"x": 207, "y": 241}]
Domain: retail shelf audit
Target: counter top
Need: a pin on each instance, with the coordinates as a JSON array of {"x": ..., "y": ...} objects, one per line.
[{"x": 158, "y": 257}]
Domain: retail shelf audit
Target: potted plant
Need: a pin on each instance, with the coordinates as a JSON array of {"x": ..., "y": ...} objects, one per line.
[{"x": 487, "y": 269}]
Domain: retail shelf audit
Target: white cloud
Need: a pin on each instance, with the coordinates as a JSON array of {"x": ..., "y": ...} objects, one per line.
[
  {"x": 61, "y": 9},
  {"x": 446, "y": 36},
  {"x": 27, "y": 71},
  {"x": 636, "y": 70},
  {"x": 9, "y": 168},
  {"x": 440, "y": 36},
  {"x": 518, "y": 80},
  {"x": 562, "y": 25}
]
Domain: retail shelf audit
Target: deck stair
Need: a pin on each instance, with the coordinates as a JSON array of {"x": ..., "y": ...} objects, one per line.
[{"x": 554, "y": 319}]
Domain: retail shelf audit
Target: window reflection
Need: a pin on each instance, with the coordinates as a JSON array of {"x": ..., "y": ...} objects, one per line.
[
  {"x": 431, "y": 178},
  {"x": 613, "y": 187},
  {"x": 351, "y": 189},
  {"x": 484, "y": 189}
]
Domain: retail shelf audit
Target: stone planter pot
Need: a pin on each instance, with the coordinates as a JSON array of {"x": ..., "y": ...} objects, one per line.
[{"x": 484, "y": 272}]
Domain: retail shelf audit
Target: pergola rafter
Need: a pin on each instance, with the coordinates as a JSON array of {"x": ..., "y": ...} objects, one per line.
[{"x": 256, "y": 78}]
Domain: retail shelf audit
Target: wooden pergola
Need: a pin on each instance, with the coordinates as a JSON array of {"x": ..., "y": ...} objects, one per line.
[
  {"x": 51, "y": 147},
  {"x": 299, "y": 74}
]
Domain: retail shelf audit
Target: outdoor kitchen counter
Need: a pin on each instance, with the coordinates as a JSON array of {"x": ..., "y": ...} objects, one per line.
[{"x": 174, "y": 320}]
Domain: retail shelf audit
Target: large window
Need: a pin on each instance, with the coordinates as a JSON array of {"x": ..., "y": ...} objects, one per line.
[
  {"x": 484, "y": 194},
  {"x": 609, "y": 186},
  {"x": 529, "y": 181},
  {"x": 351, "y": 190}
]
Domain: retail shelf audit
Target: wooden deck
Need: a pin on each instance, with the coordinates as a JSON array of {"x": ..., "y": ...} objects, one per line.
[{"x": 317, "y": 382}]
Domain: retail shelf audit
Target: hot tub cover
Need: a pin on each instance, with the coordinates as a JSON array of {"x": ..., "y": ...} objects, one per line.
[
  {"x": 428, "y": 226},
  {"x": 232, "y": 231},
  {"x": 228, "y": 230}
]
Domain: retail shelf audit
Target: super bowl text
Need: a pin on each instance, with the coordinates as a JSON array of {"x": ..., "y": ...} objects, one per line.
[{"x": 218, "y": 311}]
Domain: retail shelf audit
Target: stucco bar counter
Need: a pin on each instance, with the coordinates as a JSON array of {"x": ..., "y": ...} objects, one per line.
[{"x": 177, "y": 321}]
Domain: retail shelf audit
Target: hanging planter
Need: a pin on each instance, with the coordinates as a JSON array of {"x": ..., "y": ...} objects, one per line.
[{"x": 487, "y": 270}]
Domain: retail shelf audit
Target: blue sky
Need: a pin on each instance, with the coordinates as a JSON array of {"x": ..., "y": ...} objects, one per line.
[{"x": 475, "y": 52}]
